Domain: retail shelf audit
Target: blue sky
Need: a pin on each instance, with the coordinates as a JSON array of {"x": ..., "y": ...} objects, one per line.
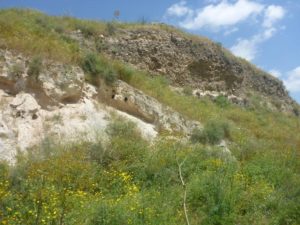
[{"x": 266, "y": 32}]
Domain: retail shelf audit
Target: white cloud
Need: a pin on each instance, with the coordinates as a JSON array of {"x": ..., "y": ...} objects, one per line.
[
  {"x": 222, "y": 14},
  {"x": 226, "y": 15},
  {"x": 248, "y": 48},
  {"x": 218, "y": 14},
  {"x": 275, "y": 73},
  {"x": 245, "y": 48},
  {"x": 231, "y": 31},
  {"x": 292, "y": 82},
  {"x": 273, "y": 13},
  {"x": 179, "y": 9}
]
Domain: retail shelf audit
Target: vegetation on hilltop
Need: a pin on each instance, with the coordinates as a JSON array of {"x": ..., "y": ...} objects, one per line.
[{"x": 130, "y": 181}]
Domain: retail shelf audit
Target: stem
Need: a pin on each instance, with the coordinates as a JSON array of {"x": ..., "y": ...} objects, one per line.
[{"x": 184, "y": 187}]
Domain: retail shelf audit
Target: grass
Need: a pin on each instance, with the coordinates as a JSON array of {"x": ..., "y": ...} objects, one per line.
[
  {"x": 97, "y": 68},
  {"x": 213, "y": 133},
  {"x": 129, "y": 181},
  {"x": 35, "y": 68},
  {"x": 16, "y": 70}
]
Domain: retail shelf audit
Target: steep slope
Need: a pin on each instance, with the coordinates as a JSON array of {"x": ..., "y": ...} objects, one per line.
[
  {"x": 186, "y": 60},
  {"x": 58, "y": 103},
  {"x": 111, "y": 123},
  {"x": 189, "y": 61},
  {"x": 162, "y": 51}
]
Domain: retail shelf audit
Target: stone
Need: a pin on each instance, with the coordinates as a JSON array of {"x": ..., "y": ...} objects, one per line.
[
  {"x": 148, "y": 109},
  {"x": 195, "y": 62}
]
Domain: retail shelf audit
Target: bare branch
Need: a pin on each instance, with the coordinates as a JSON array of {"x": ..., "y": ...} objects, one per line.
[{"x": 184, "y": 187}]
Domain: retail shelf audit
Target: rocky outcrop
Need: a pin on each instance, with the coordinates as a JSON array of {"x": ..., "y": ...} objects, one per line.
[
  {"x": 24, "y": 124},
  {"x": 60, "y": 105},
  {"x": 128, "y": 99},
  {"x": 55, "y": 83},
  {"x": 190, "y": 61}
]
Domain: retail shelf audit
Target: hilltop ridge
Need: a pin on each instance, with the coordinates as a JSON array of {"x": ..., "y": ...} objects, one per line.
[{"x": 185, "y": 60}]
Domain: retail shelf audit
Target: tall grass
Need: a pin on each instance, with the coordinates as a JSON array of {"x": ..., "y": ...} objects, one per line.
[{"x": 129, "y": 181}]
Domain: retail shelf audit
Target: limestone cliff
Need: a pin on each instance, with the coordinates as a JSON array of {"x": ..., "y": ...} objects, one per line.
[
  {"x": 189, "y": 61},
  {"x": 61, "y": 105}
]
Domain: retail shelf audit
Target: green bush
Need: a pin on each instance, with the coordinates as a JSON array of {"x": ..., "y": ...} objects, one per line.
[
  {"x": 98, "y": 69},
  {"x": 86, "y": 29},
  {"x": 125, "y": 72},
  {"x": 98, "y": 153},
  {"x": 222, "y": 101},
  {"x": 100, "y": 45},
  {"x": 43, "y": 22},
  {"x": 213, "y": 133},
  {"x": 110, "y": 76},
  {"x": 110, "y": 28},
  {"x": 129, "y": 181},
  {"x": 111, "y": 215},
  {"x": 124, "y": 129},
  {"x": 35, "y": 68},
  {"x": 16, "y": 70},
  {"x": 91, "y": 64},
  {"x": 296, "y": 111},
  {"x": 198, "y": 135}
]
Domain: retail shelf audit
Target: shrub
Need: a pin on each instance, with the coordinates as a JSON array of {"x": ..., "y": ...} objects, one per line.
[
  {"x": 107, "y": 214},
  {"x": 222, "y": 101},
  {"x": 296, "y": 111},
  {"x": 91, "y": 64},
  {"x": 43, "y": 22},
  {"x": 126, "y": 143},
  {"x": 119, "y": 128},
  {"x": 198, "y": 136},
  {"x": 97, "y": 153},
  {"x": 125, "y": 72},
  {"x": 110, "y": 76},
  {"x": 97, "y": 68},
  {"x": 58, "y": 28},
  {"x": 35, "y": 67},
  {"x": 212, "y": 133},
  {"x": 16, "y": 70},
  {"x": 110, "y": 28},
  {"x": 86, "y": 29},
  {"x": 100, "y": 45}
]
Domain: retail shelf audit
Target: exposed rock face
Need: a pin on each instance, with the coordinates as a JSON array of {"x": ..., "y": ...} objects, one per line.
[
  {"x": 196, "y": 62},
  {"x": 62, "y": 106},
  {"x": 56, "y": 82},
  {"x": 130, "y": 100},
  {"x": 24, "y": 124}
]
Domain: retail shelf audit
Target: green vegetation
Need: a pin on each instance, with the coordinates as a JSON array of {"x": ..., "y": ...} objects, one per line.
[
  {"x": 222, "y": 101},
  {"x": 187, "y": 91},
  {"x": 97, "y": 68},
  {"x": 110, "y": 28},
  {"x": 35, "y": 68},
  {"x": 16, "y": 70},
  {"x": 213, "y": 133},
  {"x": 127, "y": 180}
]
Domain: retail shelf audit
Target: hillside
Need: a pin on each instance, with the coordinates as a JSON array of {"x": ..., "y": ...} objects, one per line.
[{"x": 115, "y": 123}]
